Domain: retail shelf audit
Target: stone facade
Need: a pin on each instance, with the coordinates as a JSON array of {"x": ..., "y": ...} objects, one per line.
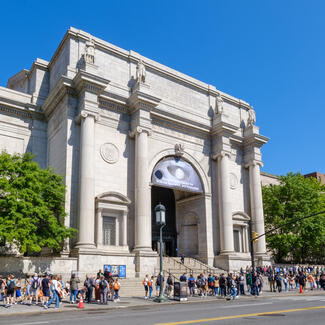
[{"x": 104, "y": 118}]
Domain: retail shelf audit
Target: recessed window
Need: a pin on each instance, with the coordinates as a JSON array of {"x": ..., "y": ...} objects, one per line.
[
  {"x": 109, "y": 230},
  {"x": 236, "y": 241}
]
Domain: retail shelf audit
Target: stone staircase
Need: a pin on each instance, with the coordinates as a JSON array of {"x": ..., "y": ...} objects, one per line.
[
  {"x": 174, "y": 266},
  {"x": 133, "y": 287}
]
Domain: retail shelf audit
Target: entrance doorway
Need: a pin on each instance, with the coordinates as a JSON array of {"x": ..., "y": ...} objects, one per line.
[{"x": 166, "y": 197}]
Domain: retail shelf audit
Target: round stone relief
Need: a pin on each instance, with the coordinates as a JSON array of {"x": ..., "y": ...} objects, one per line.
[
  {"x": 109, "y": 152},
  {"x": 233, "y": 181}
]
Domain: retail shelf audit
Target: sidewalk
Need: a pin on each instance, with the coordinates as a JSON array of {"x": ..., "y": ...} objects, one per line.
[{"x": 128, "y": 302}]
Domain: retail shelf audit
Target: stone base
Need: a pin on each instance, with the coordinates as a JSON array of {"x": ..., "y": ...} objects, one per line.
[{"x": 232, "y": 262}]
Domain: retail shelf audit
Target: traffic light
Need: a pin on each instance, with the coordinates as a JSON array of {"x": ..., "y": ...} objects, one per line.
[{"x": 255, "y": 235}]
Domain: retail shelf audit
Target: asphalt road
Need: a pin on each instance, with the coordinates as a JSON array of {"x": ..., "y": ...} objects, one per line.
[{"x": 285, "y": 310}]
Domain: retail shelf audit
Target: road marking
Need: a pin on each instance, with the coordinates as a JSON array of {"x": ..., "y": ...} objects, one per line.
[
  {"x": 239, "y": 316},
  {"x": 247, "y": 305},
  {"x": 35, "y": 323}
]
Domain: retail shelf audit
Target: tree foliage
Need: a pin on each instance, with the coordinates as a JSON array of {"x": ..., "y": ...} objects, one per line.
[
  {"x": 31, "y": 205},
  {"x": 296, "y": 196}
]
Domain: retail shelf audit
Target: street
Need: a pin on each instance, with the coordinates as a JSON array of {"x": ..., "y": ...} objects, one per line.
[{"x": 273, "y": 310}]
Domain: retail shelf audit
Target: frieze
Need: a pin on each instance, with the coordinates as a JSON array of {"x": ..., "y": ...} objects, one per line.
[
  {"x": 21, "y": 113},
  {"x": 113, "y": 106}
]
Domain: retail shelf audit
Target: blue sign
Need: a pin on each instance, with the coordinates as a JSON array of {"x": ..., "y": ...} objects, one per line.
[
  {"x": 108, "y": 268},
  {"x": 122, "y": 271}
]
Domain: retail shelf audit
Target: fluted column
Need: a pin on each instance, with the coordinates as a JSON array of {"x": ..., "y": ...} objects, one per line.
[
  {"x": 142, "y": 192},
  {"x": 257, "y": 206},
  {"x": 225, "y": 210},
  {"x": 86, "y": 182}
]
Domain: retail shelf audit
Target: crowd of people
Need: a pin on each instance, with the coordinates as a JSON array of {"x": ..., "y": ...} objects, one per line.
[
  {"x": 50, "y": 289},
  {"x": 250, "y": 282},
  {"x": 47, "y": 289}
]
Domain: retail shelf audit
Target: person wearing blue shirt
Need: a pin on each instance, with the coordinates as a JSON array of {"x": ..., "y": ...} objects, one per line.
[{"x": 191, "y": 284}]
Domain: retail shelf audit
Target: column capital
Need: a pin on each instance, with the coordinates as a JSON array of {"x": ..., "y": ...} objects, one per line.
[
  {"x": 84, "y": 114},
  {"x": 254, "y": 163},
  {"x": 138, "y": 130},
  {"x": 221, "y": 155}
]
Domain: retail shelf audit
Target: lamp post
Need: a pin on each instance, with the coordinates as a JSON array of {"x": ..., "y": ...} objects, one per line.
[{"x": 160, "y": 212}]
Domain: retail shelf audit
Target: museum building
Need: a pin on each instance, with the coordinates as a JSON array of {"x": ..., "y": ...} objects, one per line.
[{"x": 128, "y": 133}]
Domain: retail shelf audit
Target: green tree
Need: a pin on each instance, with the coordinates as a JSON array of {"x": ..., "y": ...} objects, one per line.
[
  {"x": 296, "y": 196},
  {"x": 31, "y": 205}
]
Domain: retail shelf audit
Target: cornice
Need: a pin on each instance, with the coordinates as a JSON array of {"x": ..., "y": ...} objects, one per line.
[
  {"x": 63, "y": 87},
  {"x": 23, "y": 112},
  {"x": 87, "y": 81}
]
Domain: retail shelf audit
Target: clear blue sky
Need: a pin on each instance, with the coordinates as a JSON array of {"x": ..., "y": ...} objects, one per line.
[{"x": 268, "y": 53}]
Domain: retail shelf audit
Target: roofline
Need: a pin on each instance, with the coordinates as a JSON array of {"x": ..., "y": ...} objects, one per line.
[{"x": 133, "y": 56}]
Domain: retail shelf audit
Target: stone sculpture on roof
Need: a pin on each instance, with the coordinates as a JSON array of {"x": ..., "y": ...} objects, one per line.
[{"x": 141, "y": 72}]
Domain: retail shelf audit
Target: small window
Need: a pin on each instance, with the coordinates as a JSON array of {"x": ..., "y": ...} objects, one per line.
[
  {"x": 236, "y": 241},
  {"x": 109, "y": 231}
]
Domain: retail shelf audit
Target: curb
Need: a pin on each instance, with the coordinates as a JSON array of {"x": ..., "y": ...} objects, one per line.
[{"x": 171, "y": 302}]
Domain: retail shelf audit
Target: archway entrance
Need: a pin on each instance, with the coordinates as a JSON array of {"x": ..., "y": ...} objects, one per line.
[
  {"x": 166, "y": 197},
  {"x": 178, "y": 187}
]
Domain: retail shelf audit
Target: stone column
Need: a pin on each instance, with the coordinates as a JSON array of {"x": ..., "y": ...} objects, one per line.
[
  {"x": 142, "y": 192},
  {"x": 225, "y": 212},
  {"x": 86, "y": 182},
  {"x": 257, "y": 206},
  {"x": 124, "y": 229}
]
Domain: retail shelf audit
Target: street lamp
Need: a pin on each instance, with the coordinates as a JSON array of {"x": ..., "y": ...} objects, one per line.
[{"x": 160, "y": 212}]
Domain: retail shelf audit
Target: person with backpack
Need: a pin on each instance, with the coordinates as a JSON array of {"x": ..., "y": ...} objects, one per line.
[
  {"x": 199, "y": 285},
  {"x": 242, "y": 284},
  {"x": 116, "y": 287},
  {"x": 145, "y": 282},
  {"x": 11, "y": 286},
  {"x": 183, "y": 278},
  {"x": 191, "y": 284},
  {"x": 73, "y": 288},
  {"x": 278, "y": 281},
  {"x": 103, "y": 289},
  {"x": 35, "y": 284},
  {"x": 211, "y": 284},
  {"x": 216, "y": 285},
  {"x": 169, "y": 285}
]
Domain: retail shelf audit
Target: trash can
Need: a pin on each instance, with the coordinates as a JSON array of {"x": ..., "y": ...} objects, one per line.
[{"x": 180, "y": 291}]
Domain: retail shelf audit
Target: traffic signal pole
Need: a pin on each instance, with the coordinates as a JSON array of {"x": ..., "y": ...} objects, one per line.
[{"x": 251, "y": 239}]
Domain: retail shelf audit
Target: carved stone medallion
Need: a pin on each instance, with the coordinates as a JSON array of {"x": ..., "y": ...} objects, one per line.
[
  {"x": 109, "y": 153},
  {"x": 233, "y": 181}
]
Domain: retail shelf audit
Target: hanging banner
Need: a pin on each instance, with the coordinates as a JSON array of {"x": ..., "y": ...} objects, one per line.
[{"x": 173, "y": 172}]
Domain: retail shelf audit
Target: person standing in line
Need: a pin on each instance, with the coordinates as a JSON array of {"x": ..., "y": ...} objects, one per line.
[
  {"x": 73, "y": 288},
  {"x": 116, "y": 287},
  {"x": 145, "y": 283},
  {"x": 103, "y": 289},
  {"x": 150, "y": 284},
  {"x": 55, "y": 293},
  {"x": 2, "y": 289},
  {"x": 169, "y": 285},
  {"x": 45, "y": 286},
  {"x": 222, "y": 285},
  {"x": 242, "y": 284},
  {"x": 278, "y": 281},
  {"x": 19, "y": 297},
  {"x": 216, "y": 285},
  {"x": 191, "y": 284},
  {"x": 11, "y": 286},
  {"x": 34, "y": 288}
]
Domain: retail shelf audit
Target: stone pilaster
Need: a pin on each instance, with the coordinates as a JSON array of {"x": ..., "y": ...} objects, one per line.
[
  {"x": 221, "y": 132},
  {"x": 253, "y": 141},
  {"x": 88, "y": 87},
  {"x": 141, "y": 103}
]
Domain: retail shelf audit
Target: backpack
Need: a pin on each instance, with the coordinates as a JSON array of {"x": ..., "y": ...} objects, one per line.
[
  {"x": 198, "y": 283},
  {"x": 11, "y": 285},
  {"x": 103, "y": 284},
  {"x": 169, "y": 281},
  {"x": 192, "y": 282},
  {"x": 35, "y": 284},
  {"x": 116, "y": 286}
]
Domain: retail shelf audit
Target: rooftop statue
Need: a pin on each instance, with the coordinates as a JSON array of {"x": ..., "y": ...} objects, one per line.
[{"x": 141, "y": 72}]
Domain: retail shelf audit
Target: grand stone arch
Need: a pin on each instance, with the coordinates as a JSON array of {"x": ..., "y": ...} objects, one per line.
[{"x": 187, "y": 157}]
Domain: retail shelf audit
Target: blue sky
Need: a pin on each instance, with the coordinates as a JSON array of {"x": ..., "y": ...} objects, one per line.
[{"x": 268, "y": 53}]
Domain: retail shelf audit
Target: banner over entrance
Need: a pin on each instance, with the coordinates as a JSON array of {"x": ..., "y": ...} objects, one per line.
[{"x": 173, "y": 172}]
